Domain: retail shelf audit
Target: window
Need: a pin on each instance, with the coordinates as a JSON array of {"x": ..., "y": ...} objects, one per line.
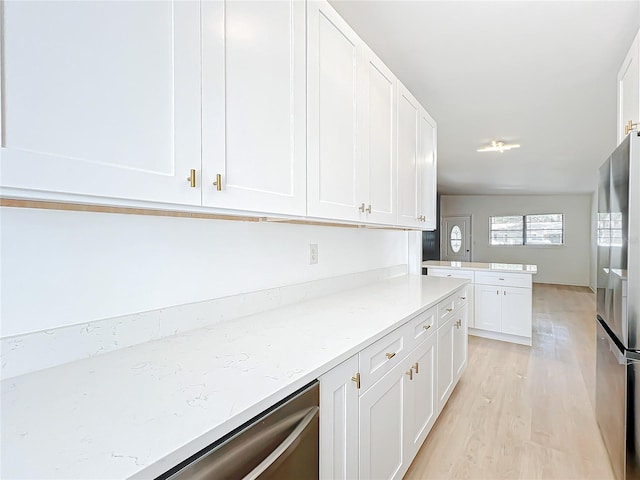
[
  {"x": 506, "y": 230},
  {"x": 538, "y": 229},
  {"x": 610, "y": 229},
  {"x": 544, "y": 229},
  {"x": 455, "y": 238}
]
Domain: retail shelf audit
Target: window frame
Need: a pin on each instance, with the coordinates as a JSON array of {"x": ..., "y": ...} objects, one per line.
[{"x": 524, "y": 232}]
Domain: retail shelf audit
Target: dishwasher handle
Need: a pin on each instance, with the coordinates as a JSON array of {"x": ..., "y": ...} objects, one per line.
[{"x": 287, "y": 445}]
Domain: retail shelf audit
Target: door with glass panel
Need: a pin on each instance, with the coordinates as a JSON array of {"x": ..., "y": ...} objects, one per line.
[{"x": 456, "y": 239}]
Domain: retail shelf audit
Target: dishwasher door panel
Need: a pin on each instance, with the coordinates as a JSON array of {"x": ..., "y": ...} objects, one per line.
[{"x": 282, "y": 444}]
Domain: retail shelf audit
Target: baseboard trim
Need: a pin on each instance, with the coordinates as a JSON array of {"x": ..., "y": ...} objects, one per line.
[{"x": 503, "y": 337}]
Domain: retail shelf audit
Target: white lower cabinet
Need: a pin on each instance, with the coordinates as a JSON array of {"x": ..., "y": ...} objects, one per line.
[
  {"x": 376, "y": 431},
  {"x": 488, "y": 307},
  {"x": 499, "y": 303},
  {"x": 445, "y": 361},
  {"x": 516, "y": 311},
  {"x": 504, "y": 310},
  {"x": 382, "y": 409},
  {"x": 460, "y": 342},
  {"x": 339, "y": 422},
  {"x": 421, "y": 406}
]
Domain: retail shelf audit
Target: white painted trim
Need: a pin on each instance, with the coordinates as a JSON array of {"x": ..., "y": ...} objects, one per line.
[{"x": 504, "y": 337}]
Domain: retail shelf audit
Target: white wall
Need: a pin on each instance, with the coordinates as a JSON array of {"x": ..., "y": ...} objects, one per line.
[
  {"x": 568, "y": 264},
  {"x": 62, "y": 268}
]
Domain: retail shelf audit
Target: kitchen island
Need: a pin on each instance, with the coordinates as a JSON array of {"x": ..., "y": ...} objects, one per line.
[
  {"x": 501, "y": 303},
  {"x": 139, "y": 411}
]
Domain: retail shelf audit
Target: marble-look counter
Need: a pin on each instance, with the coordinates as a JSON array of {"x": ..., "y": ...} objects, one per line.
[
  {"x": 496, "y": 267},
  {"x": 136, "y": 412}
]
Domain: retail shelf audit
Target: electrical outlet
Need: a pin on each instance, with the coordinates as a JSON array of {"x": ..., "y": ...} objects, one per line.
[{"x": 313, "y": 253}]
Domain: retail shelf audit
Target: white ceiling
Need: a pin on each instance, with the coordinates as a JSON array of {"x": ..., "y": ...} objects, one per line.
[{"x": 538, "y": 73}]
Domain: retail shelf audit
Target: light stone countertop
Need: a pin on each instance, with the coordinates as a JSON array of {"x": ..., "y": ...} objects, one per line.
[
  {"x": 497, "y": 267},
  {"x": 137, "y": 412}
]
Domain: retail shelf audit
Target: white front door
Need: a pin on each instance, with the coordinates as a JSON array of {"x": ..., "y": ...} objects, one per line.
[{"x": 456, "y": 239}]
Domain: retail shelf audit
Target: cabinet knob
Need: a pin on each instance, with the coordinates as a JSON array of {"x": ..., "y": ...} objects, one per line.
[
  {"x": 415, "y": 365},
  {"x": 629, "y": 127},
  {"x": 192, "y": 178},
  {"x": 449, "y": 309},
  {"x": 390, "y": 355},
  {"x": 426, "y": 327},
  {"x": 361, "y": 207},
  {"x": 463, "y": 298},
  {"x": 356, "y": 378},
  {"x": 410, "y": 373},
  {"x": 369, "y": 209},
  {"x": 218, "y": 182}
]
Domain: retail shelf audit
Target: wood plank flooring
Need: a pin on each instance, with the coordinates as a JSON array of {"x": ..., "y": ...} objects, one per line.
[{"x": 525, "y": 412}]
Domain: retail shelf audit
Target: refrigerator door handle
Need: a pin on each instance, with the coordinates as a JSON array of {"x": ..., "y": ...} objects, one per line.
[{"x": 613, "y": 348}]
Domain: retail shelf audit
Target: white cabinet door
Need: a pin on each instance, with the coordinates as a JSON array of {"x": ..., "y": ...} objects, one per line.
[
  {"x": 629, "y": 89},
  {"x": 333, "y": 87},
  {"x": 408, "y": 167},
  {"x": 445, "y": 362},
  {"x": 254, "y": 105},
  {"x": 516, "y": 311},
  {"x": 487, "y": 307},
  {"x": 339, "y": 422},
  {"x": 381, "y": 427},
  {"x": 428, "y": 175},
  {"x": 460, "y": 342},
  {"x": 421, "y": 401},
  {"x": 102, "y": 98},
  {"x": 378, "y": 185}
]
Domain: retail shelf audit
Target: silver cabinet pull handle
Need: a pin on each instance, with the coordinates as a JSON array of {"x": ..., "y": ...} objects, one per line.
[{"x": 426, "y": 327}]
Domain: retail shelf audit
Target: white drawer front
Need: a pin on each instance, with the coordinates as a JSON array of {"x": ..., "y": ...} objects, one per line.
[
  {"x": 446, "y": 308},
  {"x": 453, "y": 273},
  {"x": 420, "y": 327},
  {"x": 380, "y": 357},
  {"x": 462, "y": 296},
  {"x": 504, "y": 279}
]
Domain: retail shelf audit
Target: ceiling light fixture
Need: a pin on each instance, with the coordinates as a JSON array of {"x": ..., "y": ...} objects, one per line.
[{"x": 498, "y": 147}]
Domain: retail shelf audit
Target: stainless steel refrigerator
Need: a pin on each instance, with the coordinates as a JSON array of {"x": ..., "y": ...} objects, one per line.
[{"x": 618, "y": 308}]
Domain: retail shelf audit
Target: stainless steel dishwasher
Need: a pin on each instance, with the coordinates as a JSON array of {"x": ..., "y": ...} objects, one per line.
[{"x": 281, "y": 443}]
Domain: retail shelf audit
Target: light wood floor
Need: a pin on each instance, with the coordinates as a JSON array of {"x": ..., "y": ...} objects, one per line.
[{"x": 525, "y": 412}]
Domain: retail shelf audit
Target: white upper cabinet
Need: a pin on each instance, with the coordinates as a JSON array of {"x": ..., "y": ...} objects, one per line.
[
  {"x": 254, "y": 106},
  {"x": 428, "y": 170},
  {"x": 629, "y": 90},
  {"x": 408, "y": 165},
  {"x": 102, "y": 98},
  {"x": 333, "y": 86},
  {"x": 417, "y": 160},
  {"x": 273, "y": 107},
  {"x": 378, "y": 186}
]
